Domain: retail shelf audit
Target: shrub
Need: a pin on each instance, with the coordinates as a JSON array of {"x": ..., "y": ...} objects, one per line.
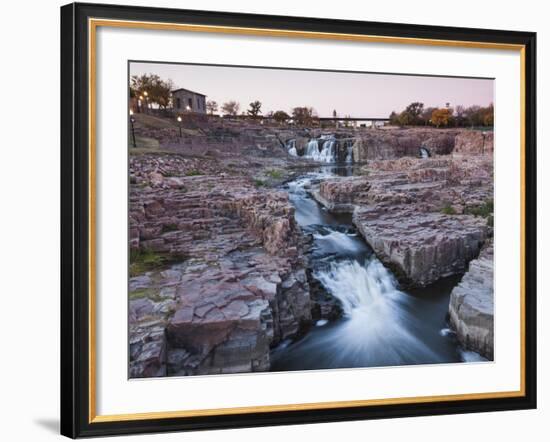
[
  {"x": 448, "y": 210},
  {"x": 484, "y": 210},
  {"x": 170, "y": 227},
  {"x": 193, "y": 172},
  {"x": 276, "y": 174}
]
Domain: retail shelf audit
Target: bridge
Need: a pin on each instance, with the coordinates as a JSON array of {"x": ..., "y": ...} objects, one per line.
[{"x": 356, "y": 120}]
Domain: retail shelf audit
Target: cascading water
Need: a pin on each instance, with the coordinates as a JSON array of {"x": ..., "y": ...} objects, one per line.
[
  {"x": 381, "y": 325},
  {"x": 324, "y": 155},
  {"x": 424, "y": 153},
  {"x": 291, "y": 148},
  {"x": 349, "y": 152}
]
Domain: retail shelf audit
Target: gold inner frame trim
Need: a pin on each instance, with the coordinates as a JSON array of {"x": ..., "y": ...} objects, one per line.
[{"x": 93, "y": 24}]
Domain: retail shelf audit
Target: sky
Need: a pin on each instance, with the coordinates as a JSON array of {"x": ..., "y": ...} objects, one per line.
[{"x": 350, "y": 94}]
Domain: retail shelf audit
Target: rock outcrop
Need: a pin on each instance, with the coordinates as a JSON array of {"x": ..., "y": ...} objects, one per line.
[
  {"x": 421, "y": 247},
  {"x": 471, "y": 308},
  {"x": 418, "y": 215},
  {"x": 396, "y": 143},
  {"x": 232, "y": 280},
  {"x": 474, "y": 142}
]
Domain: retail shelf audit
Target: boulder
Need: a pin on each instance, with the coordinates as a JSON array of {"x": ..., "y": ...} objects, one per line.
[
  {"x": 421, "y": 247},
  {"x": 471, "y": 307}
]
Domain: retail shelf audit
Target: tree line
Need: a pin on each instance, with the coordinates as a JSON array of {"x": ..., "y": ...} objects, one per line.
[
  {"x": 415, "y": 114},
  {"x": 302, "y": 115}
]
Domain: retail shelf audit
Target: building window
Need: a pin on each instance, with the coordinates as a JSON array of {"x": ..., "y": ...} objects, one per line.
[
  {"x": 178, "y": 103},
  {"x": 190, "y": 101}
]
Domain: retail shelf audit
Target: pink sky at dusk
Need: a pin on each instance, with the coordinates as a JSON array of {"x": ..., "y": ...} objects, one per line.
[{"x": 353, "y": 94}]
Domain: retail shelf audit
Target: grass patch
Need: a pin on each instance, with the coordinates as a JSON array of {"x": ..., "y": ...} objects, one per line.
[
  {"x": 142, "y": 293},
  {"x": 170, "y": 174},
  {"x": 170, "y": 227},
  {"x": 259, "y": 183},
  {"x": 143, "y": 143},
  {"x": 484, "y": 210},
  {"x": 448, "y": 210},
  {"x": 142, "y": 261},
  {"x": 193, "y": 172},
  {"x": 150, "y": 293},
  {"x": 153, "y": 122},
  {"x": 276, "y": 174}
]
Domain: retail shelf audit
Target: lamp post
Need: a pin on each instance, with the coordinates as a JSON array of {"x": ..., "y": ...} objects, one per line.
[
  {"x": 146, "y": 94},
  {"x": 132, "y": 120},
  {"x": 179, "y": 122}
]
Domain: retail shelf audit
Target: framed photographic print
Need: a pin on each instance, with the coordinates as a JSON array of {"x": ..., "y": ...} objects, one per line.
[{"x": 278, "y": 220}]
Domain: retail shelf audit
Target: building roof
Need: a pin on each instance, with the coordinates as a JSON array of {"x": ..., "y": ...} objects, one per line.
[{"x": 188, "y": 90}]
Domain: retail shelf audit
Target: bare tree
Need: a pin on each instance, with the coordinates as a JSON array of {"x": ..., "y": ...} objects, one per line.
[
  {"x": 211, "y": 106},
  {"x": 255, "y": 109},
  {"x": 231, "y": 108}
]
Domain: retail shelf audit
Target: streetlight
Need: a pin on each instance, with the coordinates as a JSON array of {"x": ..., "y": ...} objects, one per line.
[
  {"x": 146, "y": 94},
  {"x": 179, "y": 121},
  {"x": 139, "y": 102},
  {"x": 132, "y": 120}
]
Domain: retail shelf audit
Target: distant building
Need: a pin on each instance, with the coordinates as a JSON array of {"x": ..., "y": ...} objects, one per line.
[{"x": 186, "y": 100}]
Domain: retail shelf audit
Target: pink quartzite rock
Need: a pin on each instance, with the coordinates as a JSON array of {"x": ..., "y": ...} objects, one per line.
[{"x": 471, "y": 308}]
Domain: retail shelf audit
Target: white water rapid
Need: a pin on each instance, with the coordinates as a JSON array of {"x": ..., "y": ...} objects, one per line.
[{"x": 381, "y": 325}]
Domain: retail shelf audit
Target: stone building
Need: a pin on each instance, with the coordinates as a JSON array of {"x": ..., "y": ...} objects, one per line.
[{"x": 186, "y": 100}]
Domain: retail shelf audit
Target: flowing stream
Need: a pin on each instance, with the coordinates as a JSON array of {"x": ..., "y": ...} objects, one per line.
[{"x": 381, "y": 325}]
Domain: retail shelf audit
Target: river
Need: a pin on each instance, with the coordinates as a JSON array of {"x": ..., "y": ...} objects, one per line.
[{"x": 381, "y": 325}]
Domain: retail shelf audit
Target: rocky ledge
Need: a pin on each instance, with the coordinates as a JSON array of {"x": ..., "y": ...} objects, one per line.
[
  {"x": 471, "y": 308},
  {"x": 421, "y": 247},
  {"x": 228, "y": 280},
  {"x": 424, "y": 218}
]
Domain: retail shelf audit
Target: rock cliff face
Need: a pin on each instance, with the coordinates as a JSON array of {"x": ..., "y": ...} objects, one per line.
[
  {"x": 471, "y": 308},
  {"x": 390, "y": 144},
  {"x": 234, "y": 283},
  {"x": 421, "y": 247},
  {"x": 421, "y": 216},
  {"x": 474, "y": 142}
]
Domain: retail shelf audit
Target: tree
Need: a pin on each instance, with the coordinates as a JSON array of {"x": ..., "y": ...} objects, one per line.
[
  {"x": 460, "y": 115},
  {"x": 255, "y": 109},
  {"x": 442, "y": 117},
  {"x": 303, "y": 115},
  {"x": 231, "y": 108},
  {"x": 473, "y": 116},
  {"x": 211, "y": 106},
  {"x": 281, "y": 117},
  {"x": 155, "y": 89},
  {"x": 414, "y": 111},
  {"x": 489, "y": 115},
  {"x": 394, "y": 119},
  {"x": 426, "y": 116},
  {"x": 404, "y": 119}
]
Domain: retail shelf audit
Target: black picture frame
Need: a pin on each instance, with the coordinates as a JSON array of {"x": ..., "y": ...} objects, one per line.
[{"x": 75, "y": 219}]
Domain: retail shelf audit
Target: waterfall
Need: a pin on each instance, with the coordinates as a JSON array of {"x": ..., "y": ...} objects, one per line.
[
  {"x": 349, "y": 152},
  {"x": 327, "y": 152},
  {"x": 291, "y": 148},
  {"x": 380, "y": 329},
  {"x": 424, "y": 153},
  {"x": 365, "y": 288},
  {"x": 312, "y": 150}
]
